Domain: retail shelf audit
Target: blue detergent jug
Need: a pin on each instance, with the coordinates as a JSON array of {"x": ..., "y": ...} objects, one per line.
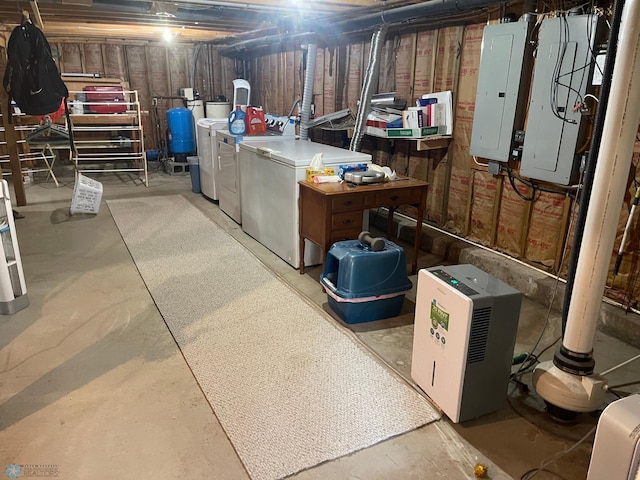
[{"x": 237, "y": 125}]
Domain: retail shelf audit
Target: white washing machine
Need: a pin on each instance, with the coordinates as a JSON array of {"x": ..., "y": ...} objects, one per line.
[
  {"x": 208, "y": 153},
  {"x": 228, "y": 147}
]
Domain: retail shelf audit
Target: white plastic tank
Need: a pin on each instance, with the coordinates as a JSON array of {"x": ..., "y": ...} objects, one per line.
[{"x": 217, "y": 109}]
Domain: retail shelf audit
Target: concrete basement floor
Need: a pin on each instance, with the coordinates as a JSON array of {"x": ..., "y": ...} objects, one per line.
[{"x": 92, "y": 382}]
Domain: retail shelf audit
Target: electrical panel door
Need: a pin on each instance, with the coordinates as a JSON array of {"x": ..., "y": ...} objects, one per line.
[
  {"x": 556, "y": 128},
  {"x": 503, "y": 80}
]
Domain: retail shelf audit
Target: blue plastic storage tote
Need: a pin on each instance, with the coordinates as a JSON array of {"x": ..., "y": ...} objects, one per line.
[{"x": 363, "y": 285}]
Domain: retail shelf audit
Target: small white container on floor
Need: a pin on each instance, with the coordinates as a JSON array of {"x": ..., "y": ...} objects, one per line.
[{"x": 87, "y": 194}]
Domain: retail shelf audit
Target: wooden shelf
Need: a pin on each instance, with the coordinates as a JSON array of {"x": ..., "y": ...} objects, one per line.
[
  {"x": 433, "y": 143},
  {"x": 97, "y": 139}
]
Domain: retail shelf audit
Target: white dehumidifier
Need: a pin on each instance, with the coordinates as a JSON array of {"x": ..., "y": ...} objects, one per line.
[
  {"x": 616, "y": 448},
  {"x": 464, "y": 334}
]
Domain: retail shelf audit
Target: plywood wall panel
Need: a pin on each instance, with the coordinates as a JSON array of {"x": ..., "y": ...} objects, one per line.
[
  {"x": 436, "y": 192},
  {"x": 425, "y": 62},
  {"x": 418, "y": 164},
  {"x": 512, "y": 219},
  {"x": 318, "y": 82},
  {"x": 457, "y": 204},
  {"x": 483, "y": 199},
  {"x": 446, "y": 68},
  {"x": 355, "y": 76},
  {"x": 114, "y": 61},
  {"x": 405, "y": 58},
  {"x": 543, "y": 237},
  {"x": 289, "y": 82},
  {"x": 226, "y": 75},
  {"x": 400, "y": 158},
  {"x": 179, "y": 76},
  {"x": 71, "y": 59},
  {"x": 93, "y": 60},
  {"x": 298, "y": 78},
  {"x": 138, "y": 74},
  {"x": 158, "y": 74},
  {"x": 459, "y": 149},
  {"x": 329, "y": 93},
  {"x": 387, "y": 80}
]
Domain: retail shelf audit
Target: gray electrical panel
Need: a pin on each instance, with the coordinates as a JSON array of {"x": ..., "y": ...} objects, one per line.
[
  {"x": 555, "y": 126},
  {"x": 503, "y": 81}
]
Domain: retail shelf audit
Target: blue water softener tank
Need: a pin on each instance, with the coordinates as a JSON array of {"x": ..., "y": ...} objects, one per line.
[{"x": 181, "y": 131}]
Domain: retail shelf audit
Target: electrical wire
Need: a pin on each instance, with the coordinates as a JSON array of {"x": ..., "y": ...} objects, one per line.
[
  {"x": 522, "y": 370},
  {"x": 555, "y": 82},
  {"x": 588, "y": 95},
  {"x": 532, "y": 473},
  {"x": 475, "y": 159},
  {"x": 536, "y": 187},
  {"x": 546, "y": 471},
  {"x": 511, "y": 176},
  {"x": 625, "y": 234},
  {"x": 620, "y": 365},
  {"x": 621, "y": 385}
]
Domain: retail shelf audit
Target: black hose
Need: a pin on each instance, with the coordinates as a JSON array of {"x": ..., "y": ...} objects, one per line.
[{"x": 594, "y": 149}]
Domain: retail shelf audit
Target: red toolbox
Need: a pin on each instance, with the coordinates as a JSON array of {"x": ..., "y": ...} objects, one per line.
[{"x": 105, "y": 99}]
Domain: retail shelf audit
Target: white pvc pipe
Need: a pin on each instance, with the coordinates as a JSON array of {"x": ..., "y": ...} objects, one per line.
[{"x": 609, "y": 185}]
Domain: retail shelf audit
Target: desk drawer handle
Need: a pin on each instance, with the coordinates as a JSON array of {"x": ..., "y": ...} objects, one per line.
[
  {"x": 347, "y": 221},
  {"x": 348, "y": 203},
  {"x": 394, "y": 197}
]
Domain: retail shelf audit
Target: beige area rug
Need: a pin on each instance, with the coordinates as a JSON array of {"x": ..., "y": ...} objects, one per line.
[{"x": 289, "y": 386}]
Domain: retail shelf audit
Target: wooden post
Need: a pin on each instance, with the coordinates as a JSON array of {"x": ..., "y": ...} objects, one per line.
[
  {"x": 563, "y": 234},
  {"x": 497, "y": 201},
  {"x": 12, "y": 147}
]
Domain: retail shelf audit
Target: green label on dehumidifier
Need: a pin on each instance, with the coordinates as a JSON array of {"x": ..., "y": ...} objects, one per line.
[{"x": 439, "y": 316}]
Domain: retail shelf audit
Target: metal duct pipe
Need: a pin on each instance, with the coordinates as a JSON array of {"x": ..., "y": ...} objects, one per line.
[
  {"x": 609, "y": 185},
  {"x": 184, "y": 5},
  {"x": 307, "y": 94},
  {"x": 369, "y": 84},
  {"x": 263, "y": 42},
  {"x": 416, "y": 11},
  {"x": 331, "y": 29}
]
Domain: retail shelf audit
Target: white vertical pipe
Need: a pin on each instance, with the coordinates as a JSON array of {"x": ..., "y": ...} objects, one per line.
[
  {"x": 610, "y": 179},
  {"x": 307, "y": 94}
]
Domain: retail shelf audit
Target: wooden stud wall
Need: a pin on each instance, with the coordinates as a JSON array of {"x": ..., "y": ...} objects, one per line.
[{"x": 463, "y": 197}]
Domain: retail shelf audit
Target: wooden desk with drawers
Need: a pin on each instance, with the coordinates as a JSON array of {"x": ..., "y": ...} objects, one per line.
[{"x": 332, "y": 212}]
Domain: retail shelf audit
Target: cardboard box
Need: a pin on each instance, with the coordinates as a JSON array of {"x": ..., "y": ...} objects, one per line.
[
  {"x": 411, "y": 118},
  {"x": 414, "y": 132},
  {"x": 376, "y": 132},
  {"x": 312, "y": 173},
  {"x": 443, "y": 108},
  {"x": 406, "y": 132}
]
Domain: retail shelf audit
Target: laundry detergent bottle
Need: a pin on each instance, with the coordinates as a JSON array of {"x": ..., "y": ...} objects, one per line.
[{"x": 237, "y": 125}]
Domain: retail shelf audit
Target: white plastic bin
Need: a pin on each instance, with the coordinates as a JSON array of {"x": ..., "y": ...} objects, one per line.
[{"x": 87, "y": 194}]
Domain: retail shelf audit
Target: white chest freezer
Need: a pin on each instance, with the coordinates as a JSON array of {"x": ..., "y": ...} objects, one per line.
[
  {"x": 269, "y": 175},
  {"x": 208, "y": 154},
  {"x": 228, "y": 146}
]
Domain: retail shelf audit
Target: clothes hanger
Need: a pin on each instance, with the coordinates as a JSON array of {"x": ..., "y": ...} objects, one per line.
[
  {"x": 48, "y": 134},
  {"x": 25, "y": 18}
]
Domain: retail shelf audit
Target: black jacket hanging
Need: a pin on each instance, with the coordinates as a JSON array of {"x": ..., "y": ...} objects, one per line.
[{"x": 31, "y": 78}]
